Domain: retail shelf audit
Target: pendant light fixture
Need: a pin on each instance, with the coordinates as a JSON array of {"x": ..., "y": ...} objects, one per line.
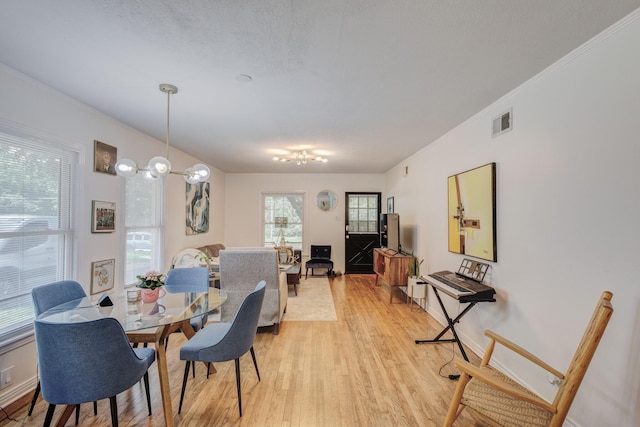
[{"x": 159, "y": 166}]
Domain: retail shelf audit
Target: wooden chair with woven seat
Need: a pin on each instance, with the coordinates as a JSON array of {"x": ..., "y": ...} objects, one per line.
[{"x": 500, "y": 401}]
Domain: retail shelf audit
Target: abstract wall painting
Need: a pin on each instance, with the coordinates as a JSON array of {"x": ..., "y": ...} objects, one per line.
[{"x": 472, "y": 212}]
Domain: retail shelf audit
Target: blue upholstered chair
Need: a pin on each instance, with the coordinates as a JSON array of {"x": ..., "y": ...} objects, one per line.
[
  {"x": 88, "y": 361},
  {"x": 195, "y": 279},
  {"x": 189, "y": 279},
  {"x": 48, "y": 296},
  {"x": 220, "y": 342}
]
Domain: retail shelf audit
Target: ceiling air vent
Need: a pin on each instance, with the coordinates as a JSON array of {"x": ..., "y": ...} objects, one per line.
[{"x": 503, "y": 123}]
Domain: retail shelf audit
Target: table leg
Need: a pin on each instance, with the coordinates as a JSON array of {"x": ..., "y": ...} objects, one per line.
[
  {"x": 163, "y": 378},
  {"x": 64, "y": 417},
  {"x": 157, "y": 337}
]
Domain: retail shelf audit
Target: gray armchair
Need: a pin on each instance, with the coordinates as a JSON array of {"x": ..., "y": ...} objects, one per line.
[{"x": 239, "y": 268}]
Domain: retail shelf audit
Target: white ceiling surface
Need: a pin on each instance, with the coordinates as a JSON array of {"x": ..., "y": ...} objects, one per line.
[{"x": 367, "y": 82}]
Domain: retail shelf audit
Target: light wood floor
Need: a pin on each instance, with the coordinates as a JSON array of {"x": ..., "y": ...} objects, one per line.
[{"x": 363, "y": 370}]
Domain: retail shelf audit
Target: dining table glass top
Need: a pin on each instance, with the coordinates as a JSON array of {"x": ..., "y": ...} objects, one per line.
[{"x": 172, "y": 307}]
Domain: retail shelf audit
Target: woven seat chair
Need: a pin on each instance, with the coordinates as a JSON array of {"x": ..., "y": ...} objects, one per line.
[{"x": 500, "y": 401}]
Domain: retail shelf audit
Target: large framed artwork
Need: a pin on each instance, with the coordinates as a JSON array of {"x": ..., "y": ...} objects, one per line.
[
  {"x": 102, "y": 275},
  {"x": 472, "y": 212},
  {"x": 197, "y": 208}
]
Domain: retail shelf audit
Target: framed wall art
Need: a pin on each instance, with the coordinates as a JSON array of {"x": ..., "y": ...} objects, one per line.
[
  {"x": 103, "y": 217},
  {"x": 102, "y": 275},
  {"x": 197, "y": 208},
  {"x": 105, "y": 157},
  {"x": 390, "y": 206},
  {"x": 472, "y": 212}
]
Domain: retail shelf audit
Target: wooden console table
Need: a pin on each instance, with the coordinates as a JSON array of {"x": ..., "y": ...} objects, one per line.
[{"x": 392, "y": 267}]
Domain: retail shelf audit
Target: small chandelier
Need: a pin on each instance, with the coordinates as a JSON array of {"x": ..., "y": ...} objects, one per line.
[
  {"x": 159, "y": 166},
  {"x": 301, "y": 158}
]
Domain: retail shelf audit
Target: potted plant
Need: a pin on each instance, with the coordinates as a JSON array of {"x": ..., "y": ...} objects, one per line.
[
  {"x": 414, "y": 277},
  {"x": 150, "y": 283}
]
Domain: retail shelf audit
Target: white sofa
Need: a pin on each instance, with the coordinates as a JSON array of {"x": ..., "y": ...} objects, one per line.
[{"x": 240, "y": 271}]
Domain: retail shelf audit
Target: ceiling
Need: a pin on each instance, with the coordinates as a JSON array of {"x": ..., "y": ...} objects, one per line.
[{"x": 366, "y": 83}]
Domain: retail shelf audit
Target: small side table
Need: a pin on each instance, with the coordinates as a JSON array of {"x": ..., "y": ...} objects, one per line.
[{"x": 293, "y": 276}]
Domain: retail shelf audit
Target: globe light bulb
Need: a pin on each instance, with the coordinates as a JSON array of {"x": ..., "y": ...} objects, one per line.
[{"x": 126, "y": 168}]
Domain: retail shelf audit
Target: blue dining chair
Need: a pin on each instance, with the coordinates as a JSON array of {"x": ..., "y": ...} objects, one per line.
[
  {"x": 191, "y": 279},
  {"x": 220, "y": 342},
  {"x": 88, "y": 361},
  {"x": 195, "y": 279},
  {"x": 48, "y": 296}
]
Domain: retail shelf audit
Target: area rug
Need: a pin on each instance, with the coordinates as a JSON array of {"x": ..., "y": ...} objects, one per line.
[{"x": 314, "y": 301}]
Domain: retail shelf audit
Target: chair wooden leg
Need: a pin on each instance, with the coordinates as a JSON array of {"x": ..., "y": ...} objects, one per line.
[
  {"x": 193, "y": 369},
  {"x": 255, "y": 363},
  {"x": 208, "y": 369},
  {"x": 238, "y": 385},
  {"x": 34, "y": 399},
  {"x": 114, "y": 411},
  {"x": 455, "y": 408},
  {"x": 146, "y": 389},
  {"x": 184, "y": 384},
  {"x": 95, "y": 408},
  {"x": 49, "y": 416},
  {"x": 77, "y": 414}
]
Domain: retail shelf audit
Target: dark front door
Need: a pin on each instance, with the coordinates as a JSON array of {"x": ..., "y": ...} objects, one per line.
[{"x": 361, "y": 231}]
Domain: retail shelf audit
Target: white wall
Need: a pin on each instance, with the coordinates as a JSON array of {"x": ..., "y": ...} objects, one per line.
[
  {"x": 32, "y": 105},
  {"x": 243, "y": 204},
  {"x": 567, "y": 203}
]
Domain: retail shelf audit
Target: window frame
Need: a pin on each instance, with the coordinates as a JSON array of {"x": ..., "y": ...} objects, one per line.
[
  {"x": 264, "y": 223},
  {"x": 153, "y": 223},
  {"x": 68, "y": 155}
]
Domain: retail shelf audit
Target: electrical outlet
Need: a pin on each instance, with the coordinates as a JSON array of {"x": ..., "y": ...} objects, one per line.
[{"x": 5, "y": 377}]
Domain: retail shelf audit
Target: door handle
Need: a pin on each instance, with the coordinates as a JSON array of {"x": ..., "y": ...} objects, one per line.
[{"x": 346, "y": 237}]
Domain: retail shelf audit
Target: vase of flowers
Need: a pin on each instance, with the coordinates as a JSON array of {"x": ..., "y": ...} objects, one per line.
[{"x": 150, "y": 284}]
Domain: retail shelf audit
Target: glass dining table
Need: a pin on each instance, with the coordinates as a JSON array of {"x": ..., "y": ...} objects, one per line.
[{"x": 143, "y": 323}]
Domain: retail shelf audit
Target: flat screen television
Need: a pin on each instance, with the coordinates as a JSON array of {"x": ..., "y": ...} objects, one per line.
[{"x": 390, "y": 231}]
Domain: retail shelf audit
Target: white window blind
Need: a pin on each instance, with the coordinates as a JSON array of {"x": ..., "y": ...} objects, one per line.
[
  {"x": 36, "y": 223},
  {"x": 143, "y": 223}
]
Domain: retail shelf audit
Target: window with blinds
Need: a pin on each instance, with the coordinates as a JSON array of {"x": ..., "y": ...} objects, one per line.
[
  {"x": 283, "y": 215},
  {"x": 143, "y": 224},
  {"x": 36, "y": 222}
]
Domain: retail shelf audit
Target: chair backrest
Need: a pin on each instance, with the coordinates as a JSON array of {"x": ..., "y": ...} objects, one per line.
[
  {"x": 240, "y": 336},
  {"x": 85, "y": 361},
  {"x": 47, "y": 296},
  {"x": 320, "y": 251},
  {"x": 582, "y": 358},
  {"x": 195, "y": 279}
]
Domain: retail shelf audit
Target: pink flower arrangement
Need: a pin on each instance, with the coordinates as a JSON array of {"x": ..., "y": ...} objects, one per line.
[{"x": 151, "y": 280}]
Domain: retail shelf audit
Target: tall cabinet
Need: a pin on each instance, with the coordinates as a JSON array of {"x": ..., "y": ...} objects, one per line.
[{"x": 391, "y": 267}]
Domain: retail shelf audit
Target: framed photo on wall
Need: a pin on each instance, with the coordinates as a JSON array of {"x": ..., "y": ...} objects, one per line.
[
  {"x": 105, "y": 157},
  {"x": 390, "y": 206},
  {"x": 103, "y": 217},
  {"x": 102, "y": 275}
]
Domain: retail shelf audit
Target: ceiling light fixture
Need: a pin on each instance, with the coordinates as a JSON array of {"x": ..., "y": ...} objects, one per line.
[
  {"x": 301, "y": 158},
  {"x": 159, "y": 166}
]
